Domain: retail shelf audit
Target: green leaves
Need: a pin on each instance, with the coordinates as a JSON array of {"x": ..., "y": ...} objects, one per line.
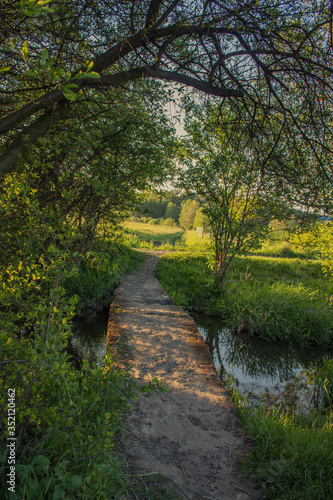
[
  {"x": 34, "y": 8},
  {"x": 24, "y": 50},
  {"x": 44, "y": 55}
]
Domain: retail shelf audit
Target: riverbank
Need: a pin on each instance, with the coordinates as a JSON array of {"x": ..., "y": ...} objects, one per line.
[
  {"x": 291, "y": 455},
  {"x": 190, "y": 433},
  {"x": 280, "y": 299}
]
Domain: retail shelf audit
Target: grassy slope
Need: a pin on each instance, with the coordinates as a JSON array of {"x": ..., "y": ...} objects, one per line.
[
  {"x": 143, "y": 235},
  {"x": 282, "y": 299}
]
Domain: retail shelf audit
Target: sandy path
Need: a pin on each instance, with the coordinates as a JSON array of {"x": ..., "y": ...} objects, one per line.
[{"x": 190, "y": 433}]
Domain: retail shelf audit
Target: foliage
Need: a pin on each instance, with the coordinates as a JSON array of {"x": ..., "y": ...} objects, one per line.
[
  {"x": 53, "y": 56},
  {"x": 154, "y": 206},
  {"x": 188, "y": 213},
  {"x": 238, "y": 200},
  {"x": 201, "y": 219},
  {"x": 60, "y": 237},
  {"x": 318, "y": 240},
  {"x": 172, "y": 211},
  {"x": 74, "y": 454},
  {"x": 100, "y": 271}
]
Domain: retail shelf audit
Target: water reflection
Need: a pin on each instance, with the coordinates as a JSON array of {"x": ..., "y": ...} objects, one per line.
[
  {"x": 264, "y": 369},
  {"x": 89, "y": 339}
]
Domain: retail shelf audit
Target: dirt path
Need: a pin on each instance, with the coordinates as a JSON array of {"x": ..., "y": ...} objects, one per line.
[{"x": 190, "y": 433}]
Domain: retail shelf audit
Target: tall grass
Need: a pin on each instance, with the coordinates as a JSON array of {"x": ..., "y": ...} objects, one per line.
[{"x": 291, "y": 455}]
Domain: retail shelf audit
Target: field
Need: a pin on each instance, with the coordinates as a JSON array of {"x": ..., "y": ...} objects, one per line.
[{"x": 141, "y": 235}]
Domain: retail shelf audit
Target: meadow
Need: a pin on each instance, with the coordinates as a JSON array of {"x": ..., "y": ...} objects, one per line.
[{"x": 142, "y": 235}]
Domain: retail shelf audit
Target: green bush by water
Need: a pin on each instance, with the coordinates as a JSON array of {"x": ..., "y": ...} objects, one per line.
[{"x": 99, "y": 273}]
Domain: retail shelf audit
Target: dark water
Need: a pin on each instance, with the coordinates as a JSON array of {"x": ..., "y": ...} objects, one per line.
[
  {"x": 89, "y": 339},
  {"x": 270, "y": 372}
]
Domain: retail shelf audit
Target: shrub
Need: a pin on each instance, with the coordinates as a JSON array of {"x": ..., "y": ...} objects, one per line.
[{"x": 168, "y": 222}]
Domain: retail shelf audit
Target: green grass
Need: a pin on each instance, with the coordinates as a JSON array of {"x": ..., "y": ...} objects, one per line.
[
  {"x": 141, "y": 235},
  {"x": 291, "y": 456},
  {"x": 281, "y": 299}
]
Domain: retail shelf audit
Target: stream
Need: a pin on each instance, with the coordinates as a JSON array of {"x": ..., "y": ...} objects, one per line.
[
  {"x": 269, "y": 372},
  {"x": 89, "y": 339}
]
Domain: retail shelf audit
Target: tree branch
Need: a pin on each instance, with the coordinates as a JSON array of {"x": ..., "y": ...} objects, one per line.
[{"x": 171, "y": 76}]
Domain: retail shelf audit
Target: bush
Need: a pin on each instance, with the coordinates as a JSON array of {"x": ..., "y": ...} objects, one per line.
[
  {"x": 99, "y": 273},
  {"x": 73, "y": 454}
]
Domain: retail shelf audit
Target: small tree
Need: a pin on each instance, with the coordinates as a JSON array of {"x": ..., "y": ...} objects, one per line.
[
  {"x": 238, "y": 200},
  {"x": 172, "y": 211},
  {"x": 188, "y": 213},
  {"x": 201, "y": 219}
]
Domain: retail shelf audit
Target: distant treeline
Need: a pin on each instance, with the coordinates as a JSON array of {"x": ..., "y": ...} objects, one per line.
[{"x": 173, "y": 207}]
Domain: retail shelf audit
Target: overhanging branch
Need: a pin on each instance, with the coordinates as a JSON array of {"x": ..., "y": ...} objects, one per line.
[{"x": 171, "y": 76}]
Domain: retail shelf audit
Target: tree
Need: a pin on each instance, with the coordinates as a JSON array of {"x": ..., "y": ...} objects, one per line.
[
  {"x": 272, "y": 57},
  {"x": 154, "y": 206},
  {"x": 75, "y": 187},
  {"x": 188, "y": 213},
  {"x": 239, "y": 201},
  {"x": 201, "y": 219},
  {"x": 172, "y": 211}
]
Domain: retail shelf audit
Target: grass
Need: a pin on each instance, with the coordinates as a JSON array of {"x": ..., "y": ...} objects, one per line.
[
  {"x": 283, "y": 299},
  {"x": 141, "y": 235},
  {"x": 291, "y": 456}
]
